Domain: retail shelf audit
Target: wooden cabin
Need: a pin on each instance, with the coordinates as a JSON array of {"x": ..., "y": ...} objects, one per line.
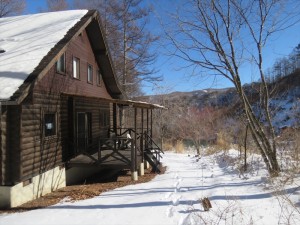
[{"x": 63, "y": 115}]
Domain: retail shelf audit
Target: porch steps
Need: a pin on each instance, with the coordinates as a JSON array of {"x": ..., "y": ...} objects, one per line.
[
  {"x": 152, "y": 153},
  {"x": 150, "y": 158}
]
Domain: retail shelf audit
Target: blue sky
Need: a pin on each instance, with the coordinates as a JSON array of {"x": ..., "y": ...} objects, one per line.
[
  {"x": 34, "y": 6},
  {"x": 279, "y": 45},
  {"x": 176, "y": 79}
]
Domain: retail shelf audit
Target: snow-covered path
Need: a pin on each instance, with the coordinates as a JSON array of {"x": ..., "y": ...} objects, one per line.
[{"x": 171, "y": 198}]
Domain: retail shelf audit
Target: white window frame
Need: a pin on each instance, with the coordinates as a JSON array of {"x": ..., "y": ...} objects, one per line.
[
  {"x": 90, "y": 74},
  {"x": 76, "y": 67},
  {"x": 61, "y": 64}
]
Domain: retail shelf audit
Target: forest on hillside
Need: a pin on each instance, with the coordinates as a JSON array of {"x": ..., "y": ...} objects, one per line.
[{"x": 284, "y": 66}]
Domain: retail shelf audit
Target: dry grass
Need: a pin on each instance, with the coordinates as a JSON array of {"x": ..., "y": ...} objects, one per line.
[
  {"x": 211, "y": 150},
  {"x": 167, "y": 146},
  {"x": 223, "y": 141},
  {"x": 179, "y": 147}
]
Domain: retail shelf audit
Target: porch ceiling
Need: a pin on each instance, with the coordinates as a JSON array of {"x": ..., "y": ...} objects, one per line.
[{"x": 129, "y": 103}]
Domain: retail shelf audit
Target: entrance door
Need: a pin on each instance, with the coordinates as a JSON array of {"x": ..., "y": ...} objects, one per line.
[{"x": 84, "y": 131}]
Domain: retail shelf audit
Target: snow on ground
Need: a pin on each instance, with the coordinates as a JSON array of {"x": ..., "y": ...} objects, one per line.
[{"x": 173, "y": 198}]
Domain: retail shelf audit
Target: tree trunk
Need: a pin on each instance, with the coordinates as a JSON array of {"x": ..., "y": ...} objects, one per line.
[{"x": 245, "y": 148}]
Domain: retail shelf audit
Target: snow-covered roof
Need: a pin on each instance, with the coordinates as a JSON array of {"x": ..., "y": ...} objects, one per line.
[{"x": 26, "y": 40}]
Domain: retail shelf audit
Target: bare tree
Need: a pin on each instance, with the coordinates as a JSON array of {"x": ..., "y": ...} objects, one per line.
[
  {"x": 11, "y": 7},
  {"x": 130, "y": 18},
  {"x": 57, "y": 5},
  {"x": 197, "y": 125},
  {"x": 221, "y": 37}
]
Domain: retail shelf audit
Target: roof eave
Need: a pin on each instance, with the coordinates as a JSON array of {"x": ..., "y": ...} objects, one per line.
[{"x": 102, "y": 54}]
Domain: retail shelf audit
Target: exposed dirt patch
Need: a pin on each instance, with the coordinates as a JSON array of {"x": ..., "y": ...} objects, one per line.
[{"x": 93, "y": 186}]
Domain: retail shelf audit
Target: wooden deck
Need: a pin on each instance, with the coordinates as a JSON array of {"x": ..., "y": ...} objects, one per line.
[
  {"x": 109, "y": 159},
  {"x": 119, "y": 152}
]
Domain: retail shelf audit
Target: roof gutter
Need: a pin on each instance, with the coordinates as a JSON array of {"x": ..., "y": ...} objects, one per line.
[{"x": 7, "y": 102}]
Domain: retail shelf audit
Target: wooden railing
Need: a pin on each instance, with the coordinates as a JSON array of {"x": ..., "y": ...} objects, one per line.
[
  {"x": 115, "y": 145},
  {"x": 126, "y": 148}
]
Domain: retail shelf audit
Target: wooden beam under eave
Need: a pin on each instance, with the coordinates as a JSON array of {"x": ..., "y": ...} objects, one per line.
[{"x": 100, "y": 52}]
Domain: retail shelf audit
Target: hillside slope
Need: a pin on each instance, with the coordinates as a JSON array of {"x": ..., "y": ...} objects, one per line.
[{"x": 284, "y": 100}]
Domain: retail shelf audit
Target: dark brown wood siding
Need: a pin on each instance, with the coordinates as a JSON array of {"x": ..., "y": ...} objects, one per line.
[
  {"x": 70, "y": 107},
  {"x": 39, "y": 153},
  {"x": 96, "y": 108},
  {"x": 57, "y": 83},
  {"x": 14, "y": 121},
  {"x": 3, "y": 143},
  {"x": 10, "y": 144}
]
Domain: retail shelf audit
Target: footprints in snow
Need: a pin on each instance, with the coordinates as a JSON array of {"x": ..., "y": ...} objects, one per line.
[{"x": 174, "y": 196}]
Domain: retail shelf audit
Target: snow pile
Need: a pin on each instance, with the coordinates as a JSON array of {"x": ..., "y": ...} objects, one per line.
[
  {"x": 174, "y": 198},
  {"x": 286, "y": 109},
  {"x": 26, "y": 40}
]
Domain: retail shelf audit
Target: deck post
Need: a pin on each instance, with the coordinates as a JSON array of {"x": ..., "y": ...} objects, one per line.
[
  {"x": 151, "y": 124},
  {"x": 115, "y": 118},
  {"x": 99, "y": 150},
  {"x": 146, "y": 165},
  {"x": 147, "y": 130},
  {"x": 134, "y": 175},
  {"x": 135, "y": 139},
  {"x": 142, "y": 135},
  {"x": 142, "y": 169}
]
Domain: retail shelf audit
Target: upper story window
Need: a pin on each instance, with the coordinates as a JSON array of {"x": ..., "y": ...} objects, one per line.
[
  {"x": 61, "y": 64},
  {"x": 76, "y": 68},
  {"x": 90, "y": 74},
  {"x": 99, "y": 78}
]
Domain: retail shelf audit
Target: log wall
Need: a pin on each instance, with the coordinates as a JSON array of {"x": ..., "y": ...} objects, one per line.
[
  {"x": 3, "y": 117},
  {"x": 69, "y": 125},
  {"x": 10, "y": 144},
  {"x": 39, "y": 153}
]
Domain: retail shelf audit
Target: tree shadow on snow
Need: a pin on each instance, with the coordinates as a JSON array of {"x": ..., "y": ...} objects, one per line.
[
  {"x": 127, "y": 205},
  {"x": 169, "y": 203}
]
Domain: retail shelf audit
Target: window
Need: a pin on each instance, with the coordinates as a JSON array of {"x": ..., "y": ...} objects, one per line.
[
  {"x": 89, "y": 127},
  {"x": 90, "y": 74},
  {"x": 104, "y": 118},
  {"x": 61, "y": 64},
  {"x": 84, "y": 130},
  {"x": 76, "y": 68},
  {"x": 99, "y": 78},
  {"x": 49, "y": 124}
]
